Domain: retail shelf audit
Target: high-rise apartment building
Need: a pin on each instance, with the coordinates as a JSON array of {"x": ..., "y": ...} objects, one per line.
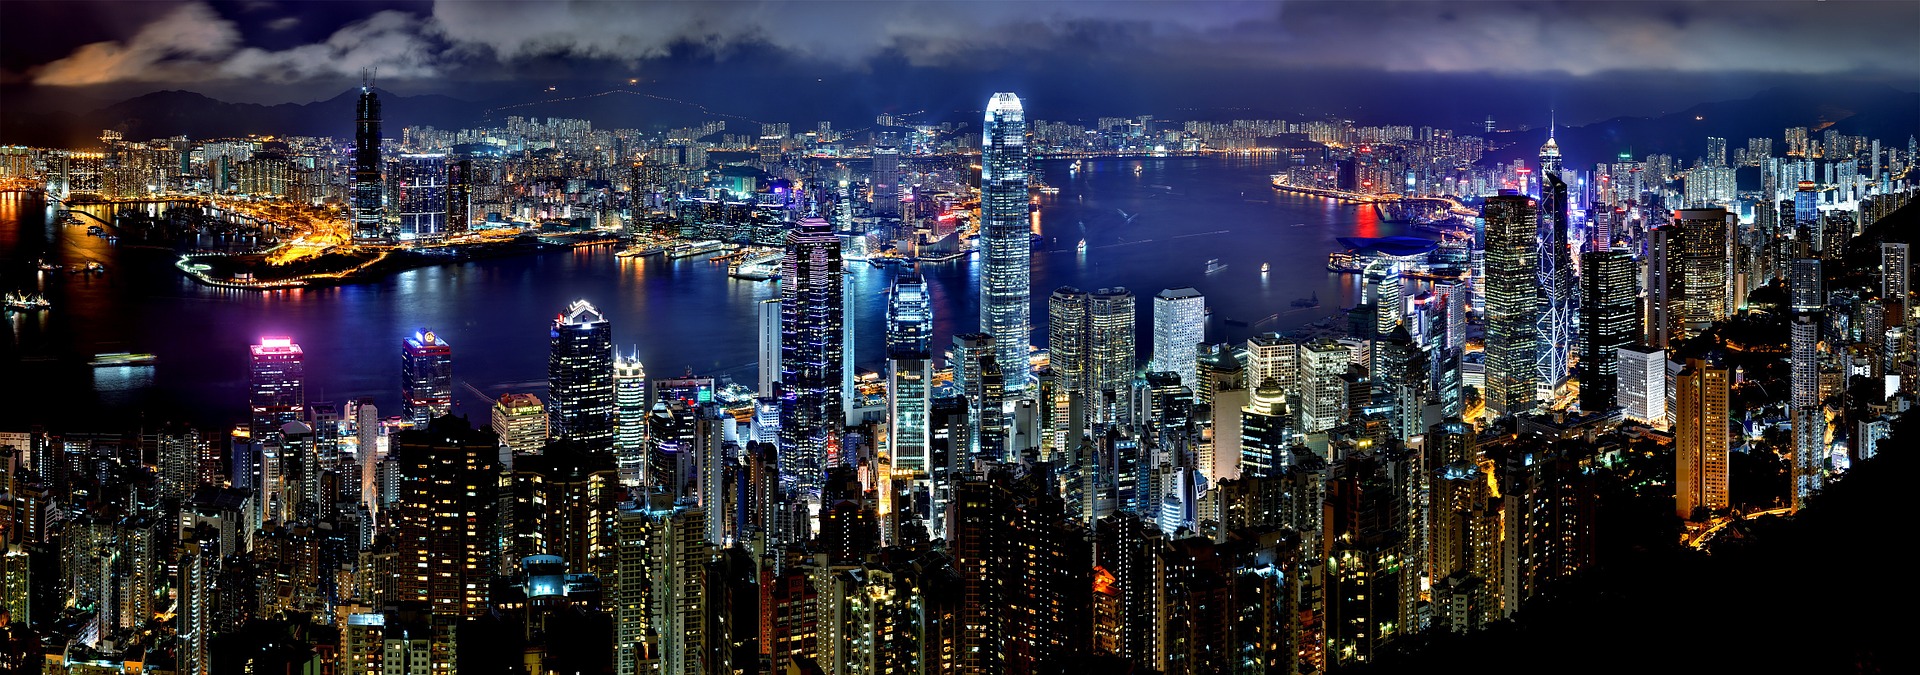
[
  {"x": 1701, "y": 438},
  {"x": 446, "y": 514},
  {"x": 422, "y": 200}
]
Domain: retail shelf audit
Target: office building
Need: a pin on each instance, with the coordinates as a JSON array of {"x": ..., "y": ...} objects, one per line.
[
  {"x": 520, "y": 420},
  {"x": 630, "y": 404},
  {"x": 1609, "y": 320},
  {"x": 1642, "y": 384},
  {"x": 1179, "y": 327},
  {"x": 886, "y": 181},
  {"x": 580, "y": 399},
  {"x": 1323, "y": 388},
  {"x": 276, "y": 386},
  {"x": 769, "y": 345},
  {"x": 1513, "y": 307},
  {"x": 811, "y": 339},
  {"x": 1557, "y": 331},
  {"x": 445, "y": 515},
  {"x": 1700, "y": 274},
  {"x": 422, "y": 199},
  {"x": 426, "y": 377},
  {"x": 1805, "y": 286},
  {"x": 1701, "y": 438},
  {"x": 909, "y": 373},
  {"x": 1005, "y": 244},
  {"x": 1111, "y": 356},
  {"x": 369, "y": 189}
]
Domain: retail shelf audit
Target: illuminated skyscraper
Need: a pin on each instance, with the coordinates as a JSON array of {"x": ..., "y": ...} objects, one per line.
[
  {"x": 1643, "y": 384},
  {"x": 909, "y": 372},
  {"x": 1067, "y": 338},
  {"x": 811, "y": 339},
  {"x": 1701, "y": 438},
  {"x": 1513, "y": 306},
  {"x": 422, "y": 200},
  {"x": 1700, "y": 273},
  {"x": 1804, "y": 286},
  {"x": 769, "y": 344},
  {"x": 1550, "y": 154},
  {"x": 426, "y": 377},
  {"x": 580, "y": 377},
  {"x": 1895, "y": 269},
  {"x": 520, "y": 420},
  {"x": 369, "y": 202},
  {"x": 1179, "y": 326},
  {"x": 446, "y": 515},
  {"x": 1111, "y": 357},
  {"x": 630, "y": 418},
  {"x": 1555, "y": 321},
  {"x": 277, "y": 386},
  {"x": 886, "y": 181},
  {"x": 1323, "y": 392},
  {"x": 1005, "y": 240},
  {"x": 1609, "y": 321}
]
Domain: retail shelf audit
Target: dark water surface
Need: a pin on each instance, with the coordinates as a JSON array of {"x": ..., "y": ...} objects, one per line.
[{"x": 1147, "y": 231}]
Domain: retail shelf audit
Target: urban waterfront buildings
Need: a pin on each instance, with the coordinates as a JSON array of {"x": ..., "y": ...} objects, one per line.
[
  {"x": 426, "y": 377},
  {"x": 581, "y": 402},
  {"x": 1006, "y": 276}
]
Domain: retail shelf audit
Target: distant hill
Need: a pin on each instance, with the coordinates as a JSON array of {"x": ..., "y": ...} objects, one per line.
[
  {"x": 171, "y": 113},
  {"x": 1873, "y": 111}
]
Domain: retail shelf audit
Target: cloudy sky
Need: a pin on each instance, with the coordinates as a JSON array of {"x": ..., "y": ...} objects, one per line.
[{"x": 1269, "y": 55}]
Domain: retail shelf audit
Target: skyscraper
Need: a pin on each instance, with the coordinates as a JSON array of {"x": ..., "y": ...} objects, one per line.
[
  {"x": 1007, "y": 251},
  {"x": 1179, "y": 326},
  {"x": 1895, "y": 269},
  {"x": 1513, "y": 305},
  {"x": 369, "y": 203},
  {"x": 277, "y": 386},
  {"x": 1111, "y": 356},
  {"x": 1609, "y": 300},
  {"x": 909, "y": 372},
  {"x": 1804, "y": 286},
  {"x": 446, "y": 514},
  {"x": 1323, "y": 392},
  {"x": 1643, "y": 384},
  {"x": 520, "y": 420},
  {"x": 580, "y": 377},
  {"x": 630, "y": 418},
  {"x": 769, "y": 344},
  {"x": 1805, "y": 414},
  {"x": 1700, "y": 276},
  {"x": 811, "y": 326},
  {"x": 423, "y": 197},
  {"x": 1701, "y": 439},
  {"x": 1067, "y": 338},
  {"x": 426, "y": 377},
  {"x": 1557, "y": 330},
  {"x": 886, "y": 181}
]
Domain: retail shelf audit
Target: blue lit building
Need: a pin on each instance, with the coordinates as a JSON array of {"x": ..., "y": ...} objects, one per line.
[{"x": 1005, "y": 237}]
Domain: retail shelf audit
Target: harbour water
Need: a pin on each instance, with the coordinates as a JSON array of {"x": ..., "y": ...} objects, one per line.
[{"x": 1147, "y": 230}]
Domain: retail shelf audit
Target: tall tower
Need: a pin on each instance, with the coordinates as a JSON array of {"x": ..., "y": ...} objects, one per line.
[
  {"x": 1699, "y": 280},
  {"x": 580, "y": 377},
  {"x": 426, "y": 377},
  {"x": 1555, "y": 320},
  {"x": 1550, "y": 153},
  {"x": 1179, "y": 326},
  {"x": 1700, "y": 438},
  {"x": 909, "y": 372},
  {"x": 1804, "y": 410},
  {"x": 369, "y": 200},
  {"x": 1007, "y": 249},
  {"x": 277, "y": 386},
  {"x": 630, "y": 418},
  {"x": 1608, "y": 321},
  {"x": 1111, "y": 357},
  {"x": 811, "y": 326},
  {"x": 1067, "y": 338},
  {"x": 1513, "y": 305}
]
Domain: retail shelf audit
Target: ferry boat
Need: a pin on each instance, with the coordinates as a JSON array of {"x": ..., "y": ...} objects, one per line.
[
  {"x": 1344, "y": 262},
  {"x": 123, "y": 360},
  {"x": 27, "y": 302},
  {"x": 1215, "y": 265},
  {"x": 1083, "y": 247},
  {"x": 1137, "y": 169},
  {"x": 1075, "y": 167},
  {"x": 1264, "y": 267}
]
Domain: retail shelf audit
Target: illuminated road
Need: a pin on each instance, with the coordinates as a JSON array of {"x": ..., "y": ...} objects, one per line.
[{"x": 1700, "y": 539}]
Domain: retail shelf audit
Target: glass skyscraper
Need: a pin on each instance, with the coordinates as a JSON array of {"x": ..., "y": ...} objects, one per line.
[
  {"x": 1555, "y": 321},
  {"x": 1609, "y": 317},
  {"x": 630, "y": 418},
  {"x": 811, "y": 326},
  {"x": 909, "y": 372},
  {"x": 886, "y": 181},
  {"x": 426, "y": 377},
  {"x": 368, "y": 201},
  {"x": 1006, "y": 278},
  {"x": 423, "y": 197},
  {"x": 277, "y": 389},
  {"x": 1179, "y": 326},
  {"x": 1513, "y": 304},
  {"x": 580, "y": 375}
]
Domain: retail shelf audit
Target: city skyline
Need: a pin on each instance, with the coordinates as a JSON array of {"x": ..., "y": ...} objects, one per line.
[{"x": 1182, "y": 367}]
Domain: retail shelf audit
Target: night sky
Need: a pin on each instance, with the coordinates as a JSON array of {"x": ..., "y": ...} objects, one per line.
[{"x": 1367, "y": 60}]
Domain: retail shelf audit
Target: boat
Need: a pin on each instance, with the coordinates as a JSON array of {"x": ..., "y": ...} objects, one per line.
[
  {"x": 123, "y": 360},
  {"x": 27, "y": 302},
  {"x": 1264, "y": 267},
  {"x": 1075, "y": 167},
  {"x": 1215, "y": 265},
  {"x": 1083, "y": 247},
  {"x": 1137, "y": 169},
  {"x": 1308, "y": 303}
]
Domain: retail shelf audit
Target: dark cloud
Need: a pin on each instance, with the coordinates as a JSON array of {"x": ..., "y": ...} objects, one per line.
[{"x": 293, "y": 42}]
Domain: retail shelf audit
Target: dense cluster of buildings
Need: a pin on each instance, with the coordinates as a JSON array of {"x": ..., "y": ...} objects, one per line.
[{"x": 1294, "y": 504}]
